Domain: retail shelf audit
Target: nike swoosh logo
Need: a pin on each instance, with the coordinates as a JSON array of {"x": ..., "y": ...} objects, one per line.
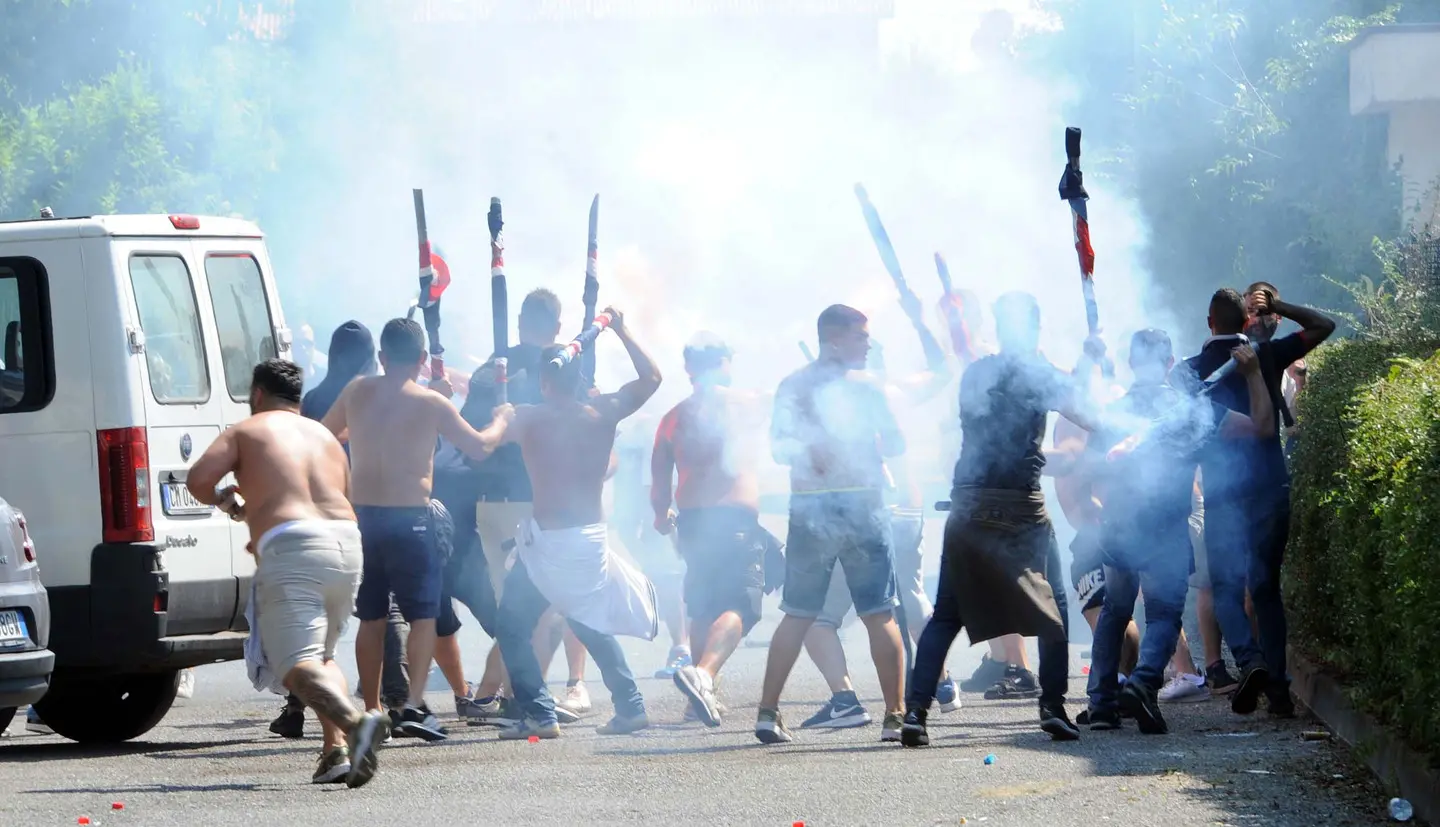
[{"x": 841, "y": 712}]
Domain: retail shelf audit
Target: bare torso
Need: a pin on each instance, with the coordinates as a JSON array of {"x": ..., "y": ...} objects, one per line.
[
  {"x": 716, "y": 434},
  {"x": 1075, "y": 491},
  {"x": 566, "y": 447},
  {"x": 392, "y": 431},
  {"x": 290, "y": 468}
]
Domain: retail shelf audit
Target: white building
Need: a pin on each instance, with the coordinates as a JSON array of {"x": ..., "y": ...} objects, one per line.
[{"x": 1395, "y": 71}]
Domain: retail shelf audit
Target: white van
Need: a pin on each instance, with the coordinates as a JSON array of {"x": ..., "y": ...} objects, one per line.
[{"x": 129, "y": 342}]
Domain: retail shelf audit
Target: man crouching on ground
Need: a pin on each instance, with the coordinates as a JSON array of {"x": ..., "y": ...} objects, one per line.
[{"x": 296, "y": 484}]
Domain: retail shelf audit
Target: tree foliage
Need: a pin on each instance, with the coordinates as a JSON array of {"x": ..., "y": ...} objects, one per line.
[{"x": 1228, "y": 121}]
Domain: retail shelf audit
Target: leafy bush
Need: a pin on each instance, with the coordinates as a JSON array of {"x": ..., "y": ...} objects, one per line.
[{"x": 1363, "y": 570}]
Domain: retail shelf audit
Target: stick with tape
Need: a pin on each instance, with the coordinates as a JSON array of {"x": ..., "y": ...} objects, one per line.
[
  {"x": 952, "y": 310},
  {"x": 934, "y": 356},
  {"x": 592, "y": 292},
  {"x": 502, "y": 380},
  {"x": 1072, "y": 190},
  {"x": 582, "y": 343},
  {"x": 499, "y": 299},
  {"x": 805, "y": 349},
  {"x": 432, "y": 285}
]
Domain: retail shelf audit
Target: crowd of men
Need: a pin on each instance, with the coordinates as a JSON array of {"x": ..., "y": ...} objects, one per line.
[{"x": 375, "y": 495}]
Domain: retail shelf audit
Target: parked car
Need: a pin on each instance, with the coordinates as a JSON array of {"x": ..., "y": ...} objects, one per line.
[{"x": 25, "y": 663}]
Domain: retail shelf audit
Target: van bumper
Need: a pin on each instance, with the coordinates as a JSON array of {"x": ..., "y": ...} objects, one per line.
[
  {"x": 132, "y": 619},
  {"x": 25, "y": 676}
]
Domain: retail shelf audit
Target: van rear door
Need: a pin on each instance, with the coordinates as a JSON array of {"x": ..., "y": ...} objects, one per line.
[
  {"x": 184, "y": 395},
  {"x": 250, "y": 330}
]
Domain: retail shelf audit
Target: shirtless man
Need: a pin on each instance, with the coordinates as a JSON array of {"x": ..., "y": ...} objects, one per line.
[
  {"x": 711, "y": 440},
  {"x": 562, "y": 559},
  {"x": 295, "y": 481},
  {"x": 392, "y": 424}
]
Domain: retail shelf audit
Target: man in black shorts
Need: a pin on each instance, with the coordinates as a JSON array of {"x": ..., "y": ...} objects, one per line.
[{"x": 711, "y": 441}]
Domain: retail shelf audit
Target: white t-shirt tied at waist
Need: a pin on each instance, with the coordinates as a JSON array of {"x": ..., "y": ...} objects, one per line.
[{"x": 588, "y": 583}]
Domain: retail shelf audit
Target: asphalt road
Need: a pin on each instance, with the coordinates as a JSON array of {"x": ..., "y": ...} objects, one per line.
[{"x": 212, "y": 762}]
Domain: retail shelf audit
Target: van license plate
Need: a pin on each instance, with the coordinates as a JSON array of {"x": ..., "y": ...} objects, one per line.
[
  {"x": 175, "y": 498},
  {"x": 12, "y": 629}
]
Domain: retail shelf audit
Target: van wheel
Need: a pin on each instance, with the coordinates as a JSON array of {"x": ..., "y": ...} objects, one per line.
[
  {"x": 6, "y": 716},
  {"x": 107, "y": 710}
]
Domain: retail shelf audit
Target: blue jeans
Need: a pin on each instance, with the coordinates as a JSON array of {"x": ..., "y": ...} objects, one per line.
[
  {"x": 947, "y": 621},
  {"x": 1154, "y": 559},
  {"x": 521, "y": 606},
  {"x": 851, "y": 528},
  {"x": 1270, "y": 525},
  {"x": 1229, "y": 547}
]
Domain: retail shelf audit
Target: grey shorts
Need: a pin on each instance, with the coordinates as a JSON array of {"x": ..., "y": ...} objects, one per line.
[{"x": 305, "y": 583}]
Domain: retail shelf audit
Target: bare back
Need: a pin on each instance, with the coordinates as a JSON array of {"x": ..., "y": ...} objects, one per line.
[
  {"x": 393, "y": 432},
  {"x": 716, "y": 435},
  {"x": 290, "y": 468},
  {"x": 566, "y": 447}
]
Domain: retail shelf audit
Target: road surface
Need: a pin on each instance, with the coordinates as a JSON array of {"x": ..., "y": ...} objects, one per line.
[{"x": 212, "y": 763}]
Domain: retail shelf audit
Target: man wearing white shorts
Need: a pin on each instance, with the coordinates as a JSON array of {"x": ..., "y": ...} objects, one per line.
[{"x": 295, "y": 482}]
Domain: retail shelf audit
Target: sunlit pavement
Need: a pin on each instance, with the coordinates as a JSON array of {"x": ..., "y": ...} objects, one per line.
[{"x": 212, "y": 762}]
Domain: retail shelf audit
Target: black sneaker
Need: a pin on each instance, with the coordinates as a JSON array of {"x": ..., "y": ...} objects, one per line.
[
  {"x": 1016, "y": 684},
  {"x": 1247, "y": 695},
  {"x": 290, "y": 723},
  {"x": 1144, "y": 707},
  {"x": 1054, "y": 720},
  {"x": 913, "y": 732},
  {"x": 985, "y": 675},
  {"x": 421, "y": 723},
  {"x": 842, "y": 711},
  {"x": 1219, "y": 679},
  {"x": 1099, "y": 720}
]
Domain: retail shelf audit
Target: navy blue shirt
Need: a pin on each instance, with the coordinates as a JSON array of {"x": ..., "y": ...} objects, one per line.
[
  {"x": 1231, "y": 467},
  {"x": 1004, "y": 401},
  {"x": 502, "y": 475}
]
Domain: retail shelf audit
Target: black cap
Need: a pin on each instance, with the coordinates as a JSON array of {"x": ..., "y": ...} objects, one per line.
[{"x": 352, "y": 349}]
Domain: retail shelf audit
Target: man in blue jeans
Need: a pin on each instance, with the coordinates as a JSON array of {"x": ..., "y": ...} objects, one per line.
[
  {"x": 1145, "y": 486},
  {"x": 562, "y": 559},
  {"x": 1247, "y": 489}
]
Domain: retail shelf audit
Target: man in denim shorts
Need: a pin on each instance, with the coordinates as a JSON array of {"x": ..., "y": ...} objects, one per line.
[{"x": 835, "y": 430}]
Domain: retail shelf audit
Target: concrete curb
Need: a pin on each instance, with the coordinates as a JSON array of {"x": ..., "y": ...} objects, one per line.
[{"x": 1394, "y": 762}]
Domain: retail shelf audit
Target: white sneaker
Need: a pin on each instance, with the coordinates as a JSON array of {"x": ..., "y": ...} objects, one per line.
[
  {"x": 699, "y": 689},
  {"x": 1184, "y": 689},
  {"x": 187, "y": 684},
  {"x": 576, "y": 700}
]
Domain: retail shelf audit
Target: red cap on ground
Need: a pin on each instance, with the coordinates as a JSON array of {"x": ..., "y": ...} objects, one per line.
[
  {"x": 534, "y": 739},
  {"x": 117, "y": 806}
]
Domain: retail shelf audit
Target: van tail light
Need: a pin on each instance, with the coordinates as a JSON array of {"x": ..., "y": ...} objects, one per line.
[
  {"x": 25, "y": 534},
  {"x": 125, "y": 486},
  {"x": 185, "y": 222}
]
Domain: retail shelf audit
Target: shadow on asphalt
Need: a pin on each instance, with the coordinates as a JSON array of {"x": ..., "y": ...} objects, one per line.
[
  {"x": 67, "y": 750},
  {"x": 167, "y": 788},
  {"x": 238, "y": 723}
]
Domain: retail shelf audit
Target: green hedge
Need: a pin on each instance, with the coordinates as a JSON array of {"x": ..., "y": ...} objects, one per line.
[{"x": 1363, "y": 566}]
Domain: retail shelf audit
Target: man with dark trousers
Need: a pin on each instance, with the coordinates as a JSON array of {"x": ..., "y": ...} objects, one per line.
[{"x": 1247, "y": 488}]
